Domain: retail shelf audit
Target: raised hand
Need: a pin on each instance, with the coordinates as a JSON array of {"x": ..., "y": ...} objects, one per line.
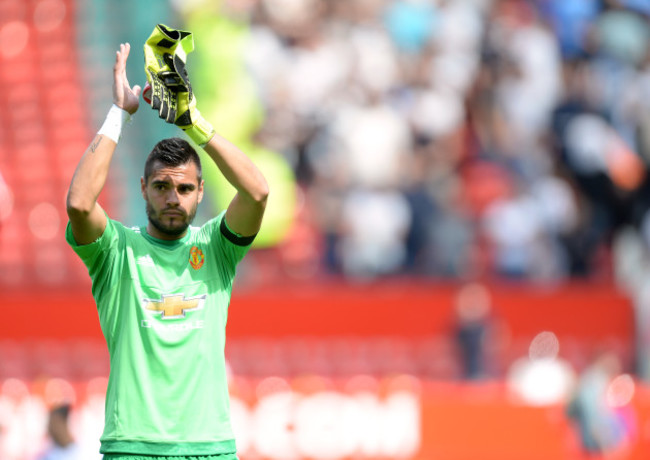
[
  {"x": 165, "y": 56},
  {"x": 124, "y": 96}
]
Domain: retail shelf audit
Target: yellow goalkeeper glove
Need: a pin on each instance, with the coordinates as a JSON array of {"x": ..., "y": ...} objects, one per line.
[{"x": 165, "y": 55}]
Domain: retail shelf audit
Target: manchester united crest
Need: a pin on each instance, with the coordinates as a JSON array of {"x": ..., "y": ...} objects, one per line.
[{"x": 196, "y": 258}]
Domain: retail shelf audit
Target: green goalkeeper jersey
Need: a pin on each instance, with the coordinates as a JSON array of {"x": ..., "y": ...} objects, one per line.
[{"x": 162, "y": 308}]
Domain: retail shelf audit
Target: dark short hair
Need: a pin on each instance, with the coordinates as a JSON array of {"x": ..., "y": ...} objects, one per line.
[
  {"x": 62, "y": 410},
  {"x": 172, "y": 152}
]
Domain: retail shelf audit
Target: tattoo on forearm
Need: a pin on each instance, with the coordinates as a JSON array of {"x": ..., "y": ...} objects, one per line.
[{"x": 95, "y": 144}]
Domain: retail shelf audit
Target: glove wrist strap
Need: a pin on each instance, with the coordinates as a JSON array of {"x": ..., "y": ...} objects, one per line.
[
  {"x": 200, "y": 132},
  {"x": 115, "y": 120}
]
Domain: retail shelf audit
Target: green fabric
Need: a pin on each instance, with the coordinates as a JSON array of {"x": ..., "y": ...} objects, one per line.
[
  {"x": 152, "y": 457},
  {"x": 229, "y": 95},
  {"x": 163, "y": 307}
]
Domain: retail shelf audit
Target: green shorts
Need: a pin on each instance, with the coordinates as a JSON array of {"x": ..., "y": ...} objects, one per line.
[{"x": 180, "y": 457}]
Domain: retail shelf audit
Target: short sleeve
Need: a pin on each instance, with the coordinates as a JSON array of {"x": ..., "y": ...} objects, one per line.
[
  {"x": 230, "y": 245},
  {"x": 100, "y": 256}
]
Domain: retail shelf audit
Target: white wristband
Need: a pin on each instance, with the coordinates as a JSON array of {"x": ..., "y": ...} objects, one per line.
[{"x": 115, "y": 121}]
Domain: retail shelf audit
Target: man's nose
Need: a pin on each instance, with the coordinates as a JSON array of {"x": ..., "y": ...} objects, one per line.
[{"x": 172, "y": 197}]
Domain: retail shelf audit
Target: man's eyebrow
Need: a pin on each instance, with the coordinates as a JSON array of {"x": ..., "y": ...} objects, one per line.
[{"x": 190, "y": 185}]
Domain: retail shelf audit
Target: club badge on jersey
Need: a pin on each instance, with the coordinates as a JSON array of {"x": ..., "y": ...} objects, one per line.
[{"x": 196, "y": 258}]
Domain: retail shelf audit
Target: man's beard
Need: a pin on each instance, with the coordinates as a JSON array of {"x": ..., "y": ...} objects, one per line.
[{"x": 169, "y": 230}]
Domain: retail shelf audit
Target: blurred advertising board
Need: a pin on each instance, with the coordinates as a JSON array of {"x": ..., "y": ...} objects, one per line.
[{"x": 318, "y": 418}]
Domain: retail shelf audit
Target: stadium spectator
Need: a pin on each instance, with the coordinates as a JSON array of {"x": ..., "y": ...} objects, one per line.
[
  {"x": 472, "y": 330},
  {"x": 592, "y": 407},
  {"x": 543, "y": 377},
  {"x": 63, "y": 445}
]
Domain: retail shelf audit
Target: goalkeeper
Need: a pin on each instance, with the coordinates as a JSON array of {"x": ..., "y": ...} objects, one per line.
[{"x": 162, "y": 291}]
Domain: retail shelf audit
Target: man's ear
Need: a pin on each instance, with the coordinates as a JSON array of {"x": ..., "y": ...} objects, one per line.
[
  {"x": 201, "y": 191},
  {"x": 143, "y": 188}
]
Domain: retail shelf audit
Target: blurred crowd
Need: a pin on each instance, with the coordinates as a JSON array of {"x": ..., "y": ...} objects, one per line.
[{"x": 456, "y": 138}]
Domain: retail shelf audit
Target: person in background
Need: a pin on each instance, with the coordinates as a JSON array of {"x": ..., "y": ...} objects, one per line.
[
  {"x": 63, "y": 445},
  {"x": 603, "y": 428},
  {"x": 473, "y": 306}
]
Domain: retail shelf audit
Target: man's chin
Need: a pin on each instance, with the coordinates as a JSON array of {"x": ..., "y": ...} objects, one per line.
[
  {"x": 169, "y": 230},
  {"x": 171, "y": 226}
]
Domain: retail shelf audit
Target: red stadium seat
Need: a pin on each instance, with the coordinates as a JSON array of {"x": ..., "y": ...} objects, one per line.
[{"x": 14, "y": 362}]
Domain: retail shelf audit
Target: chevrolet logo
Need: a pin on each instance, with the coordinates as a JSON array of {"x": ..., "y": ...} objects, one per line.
[{"x": 173, "y": 306}]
